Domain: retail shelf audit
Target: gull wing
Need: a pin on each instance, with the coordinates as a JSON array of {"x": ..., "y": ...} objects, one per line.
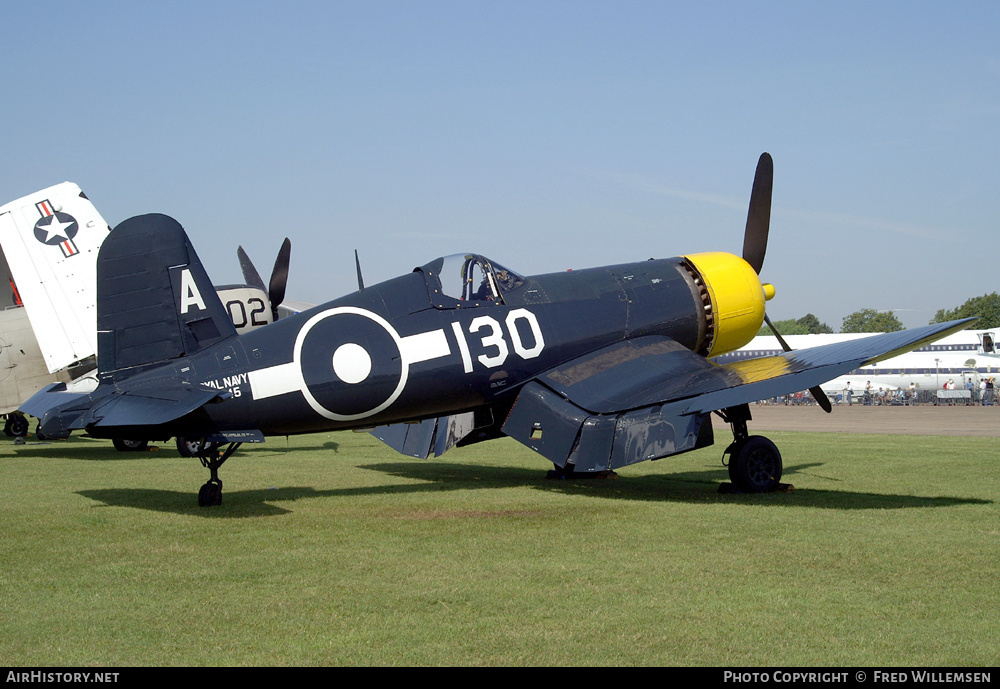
[{"x": 649, "y": 397}]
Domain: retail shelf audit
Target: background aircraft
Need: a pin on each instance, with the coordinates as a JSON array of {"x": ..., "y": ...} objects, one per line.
[
  {"x": 593, "y": 369},
  {"x": 49, "y": 241},
  {"x": 48, "y": 325}
]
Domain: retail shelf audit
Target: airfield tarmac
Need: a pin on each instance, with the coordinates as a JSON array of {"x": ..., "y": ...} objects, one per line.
[{"x": 920, "y": 420}]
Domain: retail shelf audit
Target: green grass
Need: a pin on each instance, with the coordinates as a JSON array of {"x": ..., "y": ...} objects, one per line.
[{"x": 332, "y": 549}]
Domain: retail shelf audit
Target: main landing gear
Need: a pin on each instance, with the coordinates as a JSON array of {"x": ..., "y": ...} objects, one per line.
[
  {"x": 15, "y": 425},
  {"x": 754, "y": 461},
  {"x": 212, "y": 458}
]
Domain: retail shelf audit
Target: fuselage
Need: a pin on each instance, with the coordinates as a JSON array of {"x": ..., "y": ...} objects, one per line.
[{"x": 408, "y": 349}]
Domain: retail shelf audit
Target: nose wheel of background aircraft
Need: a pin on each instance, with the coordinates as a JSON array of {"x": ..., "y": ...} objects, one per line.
[{"x": 212, "y": 458}]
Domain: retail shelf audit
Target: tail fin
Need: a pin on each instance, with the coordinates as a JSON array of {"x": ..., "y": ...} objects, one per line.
[
  {"x": 155, "y": 302},
  {"x": 49, "y": 240}
]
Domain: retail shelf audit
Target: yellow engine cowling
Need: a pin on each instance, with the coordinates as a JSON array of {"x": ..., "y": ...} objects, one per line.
[{"x": 737, "y": 297}]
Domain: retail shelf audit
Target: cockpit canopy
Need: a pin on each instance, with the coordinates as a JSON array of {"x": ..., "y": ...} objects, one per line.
[{"x": 470, "y": 279}]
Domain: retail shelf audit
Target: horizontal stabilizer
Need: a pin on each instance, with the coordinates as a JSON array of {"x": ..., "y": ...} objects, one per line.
[
  {"x": 133, "y": 408},
  {"x": 49, "y": 397},
  {"x": 61, "y": 412}
]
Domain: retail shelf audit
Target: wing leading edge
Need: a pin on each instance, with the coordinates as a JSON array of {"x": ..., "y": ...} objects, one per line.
[{"x": 650, "y": 397}]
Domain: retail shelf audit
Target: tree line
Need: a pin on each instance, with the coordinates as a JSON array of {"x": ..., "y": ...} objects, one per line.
[{"x": 986, "y": 307}]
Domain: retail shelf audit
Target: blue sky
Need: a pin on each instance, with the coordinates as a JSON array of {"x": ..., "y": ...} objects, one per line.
[{"x": 546, "y": 135}]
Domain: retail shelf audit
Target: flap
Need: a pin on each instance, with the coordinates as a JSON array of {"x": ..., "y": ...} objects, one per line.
[{"x": 428, "y": 436}]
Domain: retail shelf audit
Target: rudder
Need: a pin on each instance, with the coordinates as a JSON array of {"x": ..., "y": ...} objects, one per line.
[{"x": 155, "y": 301}]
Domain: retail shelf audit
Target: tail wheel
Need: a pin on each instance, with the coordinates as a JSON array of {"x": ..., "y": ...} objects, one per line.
[
  {"x": 755, "y": 465},
  {"x": 211, "y": 493}
]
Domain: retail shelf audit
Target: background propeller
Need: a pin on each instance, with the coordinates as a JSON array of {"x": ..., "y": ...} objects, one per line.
[
  {"x": 279, "y": 275},
  {"x": 755, "y": 244}
]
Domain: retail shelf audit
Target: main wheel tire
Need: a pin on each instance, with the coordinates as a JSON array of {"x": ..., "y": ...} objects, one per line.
[
  {"x": 16, "y": 426},
  {"x": 193, "y": 448},
  {"x": 189, "y": 448},
  {"x": 129, "y": 445},
  {"x": 755, "y": 465}
]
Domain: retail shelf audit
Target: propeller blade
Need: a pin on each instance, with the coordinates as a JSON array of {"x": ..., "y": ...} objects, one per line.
[
  {"x": 817, "y": 392},
  {"x": 821, "y": 399},
  {"x": 755, "y": 245},
  {"x": 279, "y": 277},
  {"x": 781, "y": 340},
  {"x": 250, "y": 273},
  {"x": 759, "y": 214}
]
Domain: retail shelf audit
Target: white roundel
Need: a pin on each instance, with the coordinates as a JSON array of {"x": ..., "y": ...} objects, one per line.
[
  {"x": 340, "y": 348},
  {"x": 352, "y": 363},
  {"x": 332, "y": 363}
]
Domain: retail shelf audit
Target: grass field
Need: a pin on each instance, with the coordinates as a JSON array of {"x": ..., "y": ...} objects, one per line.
[{"x": 331, "y": 549}]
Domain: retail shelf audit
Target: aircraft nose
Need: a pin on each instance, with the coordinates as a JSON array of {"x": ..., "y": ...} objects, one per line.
[{"x": 737, "y": 296}]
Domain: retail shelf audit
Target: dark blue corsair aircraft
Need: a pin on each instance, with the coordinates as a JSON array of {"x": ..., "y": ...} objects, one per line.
[{"x": 593, "y": 369}]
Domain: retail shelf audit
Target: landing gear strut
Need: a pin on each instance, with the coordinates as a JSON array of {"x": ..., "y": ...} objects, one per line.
[
  {"x": 754, "y": 461},
  {"x": 212, "y": 458}
]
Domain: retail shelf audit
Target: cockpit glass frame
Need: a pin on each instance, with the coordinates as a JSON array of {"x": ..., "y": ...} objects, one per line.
[{"x": 472, "y": 279}]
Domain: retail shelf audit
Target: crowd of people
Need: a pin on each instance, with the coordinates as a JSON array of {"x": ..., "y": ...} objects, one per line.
[{"x": 981, "y": 393}]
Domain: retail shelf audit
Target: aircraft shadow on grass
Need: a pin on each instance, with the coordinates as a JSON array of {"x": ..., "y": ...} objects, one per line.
[
  {"x": 698, "y": 487},
  {"x": 94, "y": 453}
]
